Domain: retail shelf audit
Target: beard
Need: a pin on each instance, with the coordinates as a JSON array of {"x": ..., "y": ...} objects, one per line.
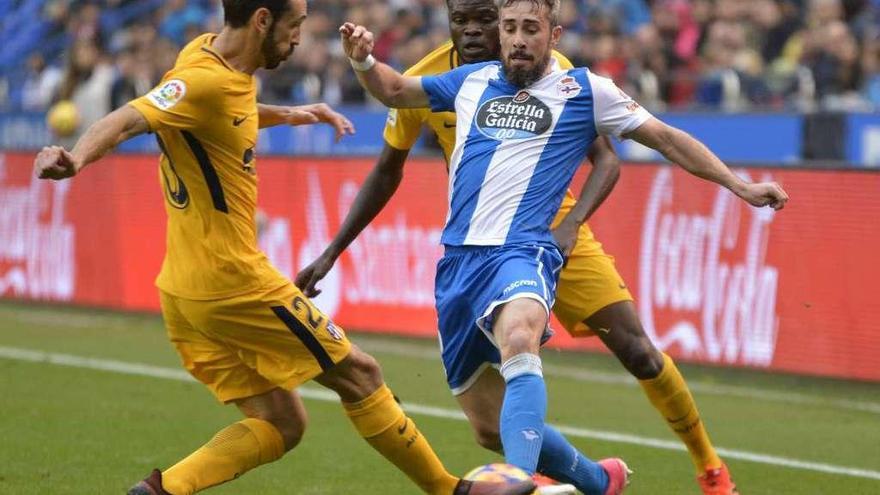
[
  {"x": 523, "y": 77},
  {"x": 271, "y": 54}
]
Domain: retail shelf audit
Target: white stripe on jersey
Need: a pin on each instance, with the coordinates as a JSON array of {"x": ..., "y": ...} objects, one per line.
[
  {"x": 466, "y": 103},
  {"x": 507, "y": 178}
]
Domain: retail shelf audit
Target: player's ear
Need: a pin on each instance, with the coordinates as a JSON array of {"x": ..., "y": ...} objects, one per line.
[
  {"x": 555, "y": 36},
  {"x": 263, "y": 19}
]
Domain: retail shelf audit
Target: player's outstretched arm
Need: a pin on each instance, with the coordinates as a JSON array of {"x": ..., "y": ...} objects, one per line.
[
  {"x": 681, "y": 148},
  {"x": 56, "y": 163},
  {"x": 377, "y": 190},
  {"x": 603, "y": 176},
  {"x": 387, "y": 85},
  {"x": 272, "y": 115}
]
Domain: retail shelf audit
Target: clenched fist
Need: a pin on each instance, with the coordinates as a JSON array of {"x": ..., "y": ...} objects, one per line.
[
  {"x": 764, "y": 194},
  {"x": 56, "y": 163}
]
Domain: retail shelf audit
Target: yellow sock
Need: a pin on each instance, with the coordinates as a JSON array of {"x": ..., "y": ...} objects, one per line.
[
  {"x": 381, "y": 421},
  {"x": 670, "y": 395},
  {"x": 233, "y": 451}
]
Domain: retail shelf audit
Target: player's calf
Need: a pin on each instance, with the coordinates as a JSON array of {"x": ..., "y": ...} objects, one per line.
[{"x": 487, "y": 436}]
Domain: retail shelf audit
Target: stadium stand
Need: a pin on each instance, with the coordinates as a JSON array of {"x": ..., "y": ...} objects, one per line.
[{"x": 728, "y": 55}]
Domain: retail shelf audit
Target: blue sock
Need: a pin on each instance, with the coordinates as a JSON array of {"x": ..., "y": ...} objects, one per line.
[
  {"x": 564, "y": 463},
  {"x": 523, "y": 411}
]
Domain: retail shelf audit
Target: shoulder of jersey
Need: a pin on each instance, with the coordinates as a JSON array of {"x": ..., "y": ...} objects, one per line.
[
  {"x": 193, "y": 48},
  {"x": 436, "y": 62},
  {"x": 197, "y": 54}
]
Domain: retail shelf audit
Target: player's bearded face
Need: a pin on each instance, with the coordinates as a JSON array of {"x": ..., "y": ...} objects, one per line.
[
  {"x": 527, "y": 41},
  {"x": 522, "y": 68},
  {"x": 276, "y": 47}
]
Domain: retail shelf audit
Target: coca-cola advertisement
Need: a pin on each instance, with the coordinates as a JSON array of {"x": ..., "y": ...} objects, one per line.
[{"x": 715, "y": 281}]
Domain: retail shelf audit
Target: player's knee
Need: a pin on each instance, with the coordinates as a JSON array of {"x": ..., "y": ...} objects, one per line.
[
  {"x": 365, "y": 369},
  {"x": 519, "y": 338},
  {"x": 642, "y": 359},
  {"x": 355, "y": 377},
  {"x": 520, "y": 326}
]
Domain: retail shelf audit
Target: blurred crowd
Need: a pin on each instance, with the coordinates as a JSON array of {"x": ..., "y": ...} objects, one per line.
[{"x": 731, "y": 55}]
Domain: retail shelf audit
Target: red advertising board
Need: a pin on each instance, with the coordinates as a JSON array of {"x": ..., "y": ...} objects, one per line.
[{"x": 715, "y": 281}]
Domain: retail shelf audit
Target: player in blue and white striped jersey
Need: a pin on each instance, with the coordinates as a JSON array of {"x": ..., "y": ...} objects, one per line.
[{"x": 523, "y": 128}]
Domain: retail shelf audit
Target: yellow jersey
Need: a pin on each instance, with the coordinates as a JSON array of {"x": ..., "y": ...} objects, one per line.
[
  {"x": 204, "y": 115},
  {"x": 404, "y": 126}
]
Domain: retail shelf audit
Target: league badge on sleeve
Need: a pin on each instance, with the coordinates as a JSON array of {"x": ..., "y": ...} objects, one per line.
[
  {"x": 568, "y": 87},
  {"x": 168, "y": 94}
]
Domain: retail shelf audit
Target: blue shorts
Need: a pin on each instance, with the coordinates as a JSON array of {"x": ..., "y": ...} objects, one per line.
[{"x": 472, "y": 281}]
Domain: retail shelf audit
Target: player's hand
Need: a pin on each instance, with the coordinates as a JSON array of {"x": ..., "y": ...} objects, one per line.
[
  {"x": 764, "y": 194},
  {"x": 566, "y": 235},
  {"x": 56, "y": 163},
  {"x": 357, "y": 42},
  {"x": 309, "y": 276},
  {"x": 321, "y": 112}
]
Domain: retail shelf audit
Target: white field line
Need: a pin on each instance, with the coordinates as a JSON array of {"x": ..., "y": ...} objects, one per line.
[
  {"x": 424, "y": 351},
  {"x": 585, "y": 375},
  {"x": 146, "y": 370}
]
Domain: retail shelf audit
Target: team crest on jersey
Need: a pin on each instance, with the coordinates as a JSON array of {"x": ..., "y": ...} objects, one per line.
[
  {"x": 514, "y": 117},
  {"x": 568, "y": 87},
  {"x": 168, "y": 94}
]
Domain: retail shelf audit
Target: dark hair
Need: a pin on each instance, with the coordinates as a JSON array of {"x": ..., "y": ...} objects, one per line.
[
  {"x": 450, "y": 2},
  {"x": 552, "y": 7},
  {"x": 237, "y": 13}
]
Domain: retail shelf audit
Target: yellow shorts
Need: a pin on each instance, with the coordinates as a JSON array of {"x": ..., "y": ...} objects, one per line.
[
  {"x": 588, "y": 282},
  {"x": 247, "y": 345}
]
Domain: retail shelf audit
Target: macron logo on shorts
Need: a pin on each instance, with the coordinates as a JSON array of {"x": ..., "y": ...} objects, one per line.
[{"x": 520, "y": 283}]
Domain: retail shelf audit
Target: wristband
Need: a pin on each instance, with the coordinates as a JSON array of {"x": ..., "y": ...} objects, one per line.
[{"x": 364, "y": 66}]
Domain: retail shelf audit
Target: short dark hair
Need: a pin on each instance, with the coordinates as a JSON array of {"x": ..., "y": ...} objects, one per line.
[
  {"x": 553, "y": 7},
  {"x": 237, "y": 13},
  {"x": 450, "y": 2}
]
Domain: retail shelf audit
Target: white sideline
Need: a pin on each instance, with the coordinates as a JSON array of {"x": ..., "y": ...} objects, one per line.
[
  {"x": 147, "y": 370},
  {"x": 381, "y": 346}
]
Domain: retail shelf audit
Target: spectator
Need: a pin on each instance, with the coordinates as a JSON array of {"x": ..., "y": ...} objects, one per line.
[
  {"x": 731, "y": 54},
  {"x": 133, "y": 79},
  {"x": 177, "y": 16},
  {"x": 41, "y": 84},
  {"x": 835, "y": 63},
  {"x": 86, "y": 83}
]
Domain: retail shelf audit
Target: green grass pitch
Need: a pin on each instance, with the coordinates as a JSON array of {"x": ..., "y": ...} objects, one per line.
[{"x": 77, "y": 416}]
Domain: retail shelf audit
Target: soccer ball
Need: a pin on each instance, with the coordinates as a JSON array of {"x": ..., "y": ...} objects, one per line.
[
  {"x": 498, "y": 472},
  {"x": 63, "y": 118}
]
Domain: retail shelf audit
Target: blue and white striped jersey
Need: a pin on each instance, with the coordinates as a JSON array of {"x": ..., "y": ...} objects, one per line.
[{"x": 517, "y": 149}]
